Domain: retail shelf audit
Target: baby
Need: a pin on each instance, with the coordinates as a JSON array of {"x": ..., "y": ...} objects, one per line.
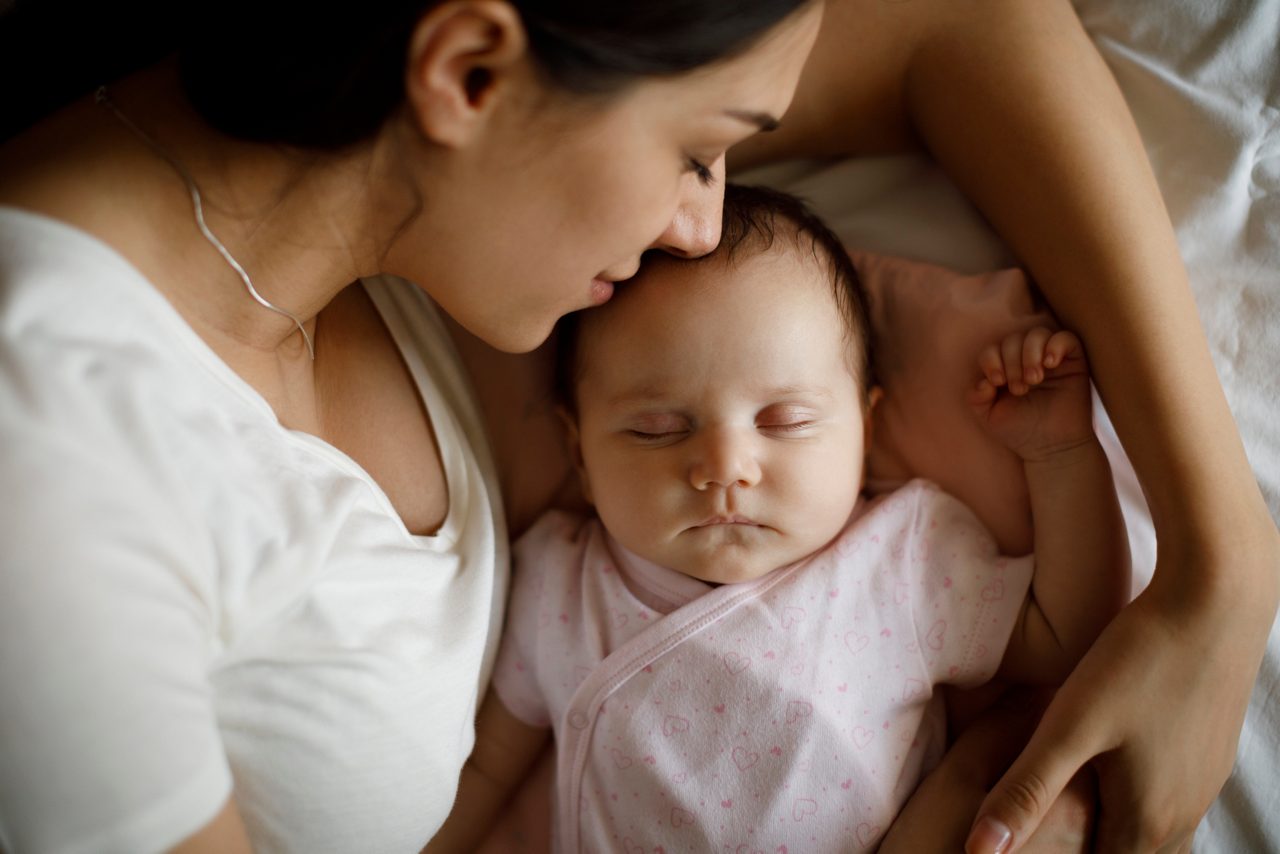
[{"x": 738, "y": 653}]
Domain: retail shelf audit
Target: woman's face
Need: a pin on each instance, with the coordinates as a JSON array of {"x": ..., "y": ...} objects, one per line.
[{"x": 562, "y": 195}]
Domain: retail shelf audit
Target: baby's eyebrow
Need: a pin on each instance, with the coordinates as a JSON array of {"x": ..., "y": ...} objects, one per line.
[
  {"x": 646, "y": 395},
  {"x": 650, "y": 394},
  {"x": 799, "y": 391}
]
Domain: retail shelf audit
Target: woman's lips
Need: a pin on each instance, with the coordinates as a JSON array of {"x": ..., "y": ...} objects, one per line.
[{"x": 601, "y": 291}]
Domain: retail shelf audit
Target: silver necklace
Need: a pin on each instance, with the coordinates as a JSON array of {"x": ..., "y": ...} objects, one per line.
[{"x": 104, "y": 100}]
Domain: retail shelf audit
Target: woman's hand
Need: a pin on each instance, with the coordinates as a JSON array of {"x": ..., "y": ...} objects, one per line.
[
  {"x": 1156, "y": 707},
  {"x": 941, "y": 810}
]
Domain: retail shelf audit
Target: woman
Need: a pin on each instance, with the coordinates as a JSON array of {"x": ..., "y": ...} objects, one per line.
[
  {"x": 256, "y": 570},
  {"x": 1014, "y": 101}
]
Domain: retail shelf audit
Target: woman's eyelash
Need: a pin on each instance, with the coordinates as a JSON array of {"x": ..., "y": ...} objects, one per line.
[{"x": 703, "y": 171}]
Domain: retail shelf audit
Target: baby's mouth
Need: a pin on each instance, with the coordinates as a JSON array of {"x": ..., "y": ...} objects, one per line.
[{"x": 726, "y": 519}]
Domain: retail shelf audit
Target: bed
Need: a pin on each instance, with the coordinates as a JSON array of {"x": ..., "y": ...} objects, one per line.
[{"x": 1202, "y": 78}]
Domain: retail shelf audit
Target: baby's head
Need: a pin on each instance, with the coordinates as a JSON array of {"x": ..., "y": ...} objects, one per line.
[{"x": 718, "y": 407}]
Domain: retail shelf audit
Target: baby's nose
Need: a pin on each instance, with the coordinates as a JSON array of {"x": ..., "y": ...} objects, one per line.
[{"x": 726, "y": 457}]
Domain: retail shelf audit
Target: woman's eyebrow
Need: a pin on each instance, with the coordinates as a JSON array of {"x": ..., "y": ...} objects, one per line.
[{"x": 763, "y": 121}]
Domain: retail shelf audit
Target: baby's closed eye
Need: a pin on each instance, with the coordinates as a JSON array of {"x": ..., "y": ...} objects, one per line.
[
  {"x": 786, "y": 418},
  {"x": 657, "y": 426}
]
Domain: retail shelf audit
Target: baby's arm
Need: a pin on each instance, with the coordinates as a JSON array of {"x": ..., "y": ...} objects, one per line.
[
  {"x": 506, "y": 748},
  {"x": 1034, "y": 396}
]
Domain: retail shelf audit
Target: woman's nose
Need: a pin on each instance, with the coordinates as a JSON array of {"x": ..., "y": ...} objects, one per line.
[
  {"x": 724, "y": 458},
  {"x": 695, "y": 229}
]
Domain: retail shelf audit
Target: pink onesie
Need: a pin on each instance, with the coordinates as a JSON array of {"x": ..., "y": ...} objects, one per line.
[{"x": 787, "y": 714}]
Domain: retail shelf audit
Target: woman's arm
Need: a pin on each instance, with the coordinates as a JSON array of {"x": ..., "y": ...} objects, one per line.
[
  {"x": 225, "y": 834},
  {"x": 1014, "y": 101}
]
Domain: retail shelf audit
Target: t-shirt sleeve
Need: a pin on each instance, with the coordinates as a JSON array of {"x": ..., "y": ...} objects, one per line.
[
  {"x": 970, "y": 595},
  {"x": 545, "y": 547},
  {"x": 108, "y": 739}
]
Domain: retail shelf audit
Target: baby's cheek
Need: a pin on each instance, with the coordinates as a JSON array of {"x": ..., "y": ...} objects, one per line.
[{"x": 823, "y": 493}]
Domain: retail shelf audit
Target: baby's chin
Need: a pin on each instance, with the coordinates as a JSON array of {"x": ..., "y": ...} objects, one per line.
[{"x": 735, "y": 564}]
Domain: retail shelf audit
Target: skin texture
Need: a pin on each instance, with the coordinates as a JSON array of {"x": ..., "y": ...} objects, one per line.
[
  {"x": 506, "y": 202},
  {"x": 1015, "y": 103}
]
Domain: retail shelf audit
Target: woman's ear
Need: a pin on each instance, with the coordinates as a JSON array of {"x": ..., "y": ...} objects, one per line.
[
  {"x": 573, "y": 439},
  {"x": 461, "y": 54}
]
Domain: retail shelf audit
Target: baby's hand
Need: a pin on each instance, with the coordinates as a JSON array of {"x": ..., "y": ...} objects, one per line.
[{"x": 1034, "y": 393}]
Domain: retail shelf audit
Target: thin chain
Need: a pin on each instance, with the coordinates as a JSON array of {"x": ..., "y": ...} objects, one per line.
[{"x": 104, "y": 100}]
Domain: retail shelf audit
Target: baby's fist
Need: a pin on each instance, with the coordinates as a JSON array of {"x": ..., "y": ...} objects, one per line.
[{"x": 1033, "y": 393}]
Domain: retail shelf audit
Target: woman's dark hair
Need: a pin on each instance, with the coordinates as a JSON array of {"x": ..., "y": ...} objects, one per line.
[
  {"x": 324, "y": 76},
  {"x": 754, "y": 218}
]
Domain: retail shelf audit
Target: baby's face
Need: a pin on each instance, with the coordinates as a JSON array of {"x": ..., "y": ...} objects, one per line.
[{"x": 720, "y": 427}]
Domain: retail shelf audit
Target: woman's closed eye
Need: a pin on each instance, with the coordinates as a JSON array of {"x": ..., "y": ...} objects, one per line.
[{"x": 702, "y": 170}]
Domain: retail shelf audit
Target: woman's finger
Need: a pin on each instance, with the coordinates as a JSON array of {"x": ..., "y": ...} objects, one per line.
[{"x": 1018, "y": 803}]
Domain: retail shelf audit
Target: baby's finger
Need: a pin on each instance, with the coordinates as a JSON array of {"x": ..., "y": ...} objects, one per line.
[
  {"x": 1061, "y": 346},
  {"x": 992, "y": 366},
  {"x": 1011, "y": 353},
  {"x": 1033, "y": 354},
  {"x": 983, "y": 393}
]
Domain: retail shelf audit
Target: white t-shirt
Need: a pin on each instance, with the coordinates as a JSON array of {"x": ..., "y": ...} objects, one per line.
[{"x": 194, "y": 598}]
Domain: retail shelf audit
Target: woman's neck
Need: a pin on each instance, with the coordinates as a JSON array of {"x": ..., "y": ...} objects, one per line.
[
  {"x": 296, "y": 221},
  {"x": 302, "y": 225}
]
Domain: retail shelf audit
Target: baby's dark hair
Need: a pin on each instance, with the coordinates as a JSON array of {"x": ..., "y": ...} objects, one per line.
[{"x": 754, "y": 218}]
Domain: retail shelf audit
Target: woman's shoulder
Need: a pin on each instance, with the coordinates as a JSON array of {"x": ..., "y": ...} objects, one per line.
[{"x": 92, "y": 352}]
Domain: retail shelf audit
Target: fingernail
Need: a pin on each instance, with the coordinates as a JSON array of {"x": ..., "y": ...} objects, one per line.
[
  {"x": 998, "y": 377},
  {"x": 989, "y": 837}
]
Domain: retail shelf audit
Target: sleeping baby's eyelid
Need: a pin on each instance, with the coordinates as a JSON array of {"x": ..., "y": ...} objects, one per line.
[
  {"x": 789, "y": 427},
  {"x": 785, "y": 419},
  {"x": 656, "y": 426},
  {"x": 648, "y": 434}
]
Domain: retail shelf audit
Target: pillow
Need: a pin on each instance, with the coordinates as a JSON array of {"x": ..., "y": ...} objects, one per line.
[{"x": 928, "y": 326}]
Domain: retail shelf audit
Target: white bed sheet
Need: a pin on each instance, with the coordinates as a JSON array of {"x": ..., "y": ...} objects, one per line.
[{"x": 1202, "y": 78}]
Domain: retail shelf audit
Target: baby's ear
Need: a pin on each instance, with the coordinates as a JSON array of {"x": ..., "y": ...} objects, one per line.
[
  {"x": 573, "y": 440},
  {"x": 875, "y": 394}
]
